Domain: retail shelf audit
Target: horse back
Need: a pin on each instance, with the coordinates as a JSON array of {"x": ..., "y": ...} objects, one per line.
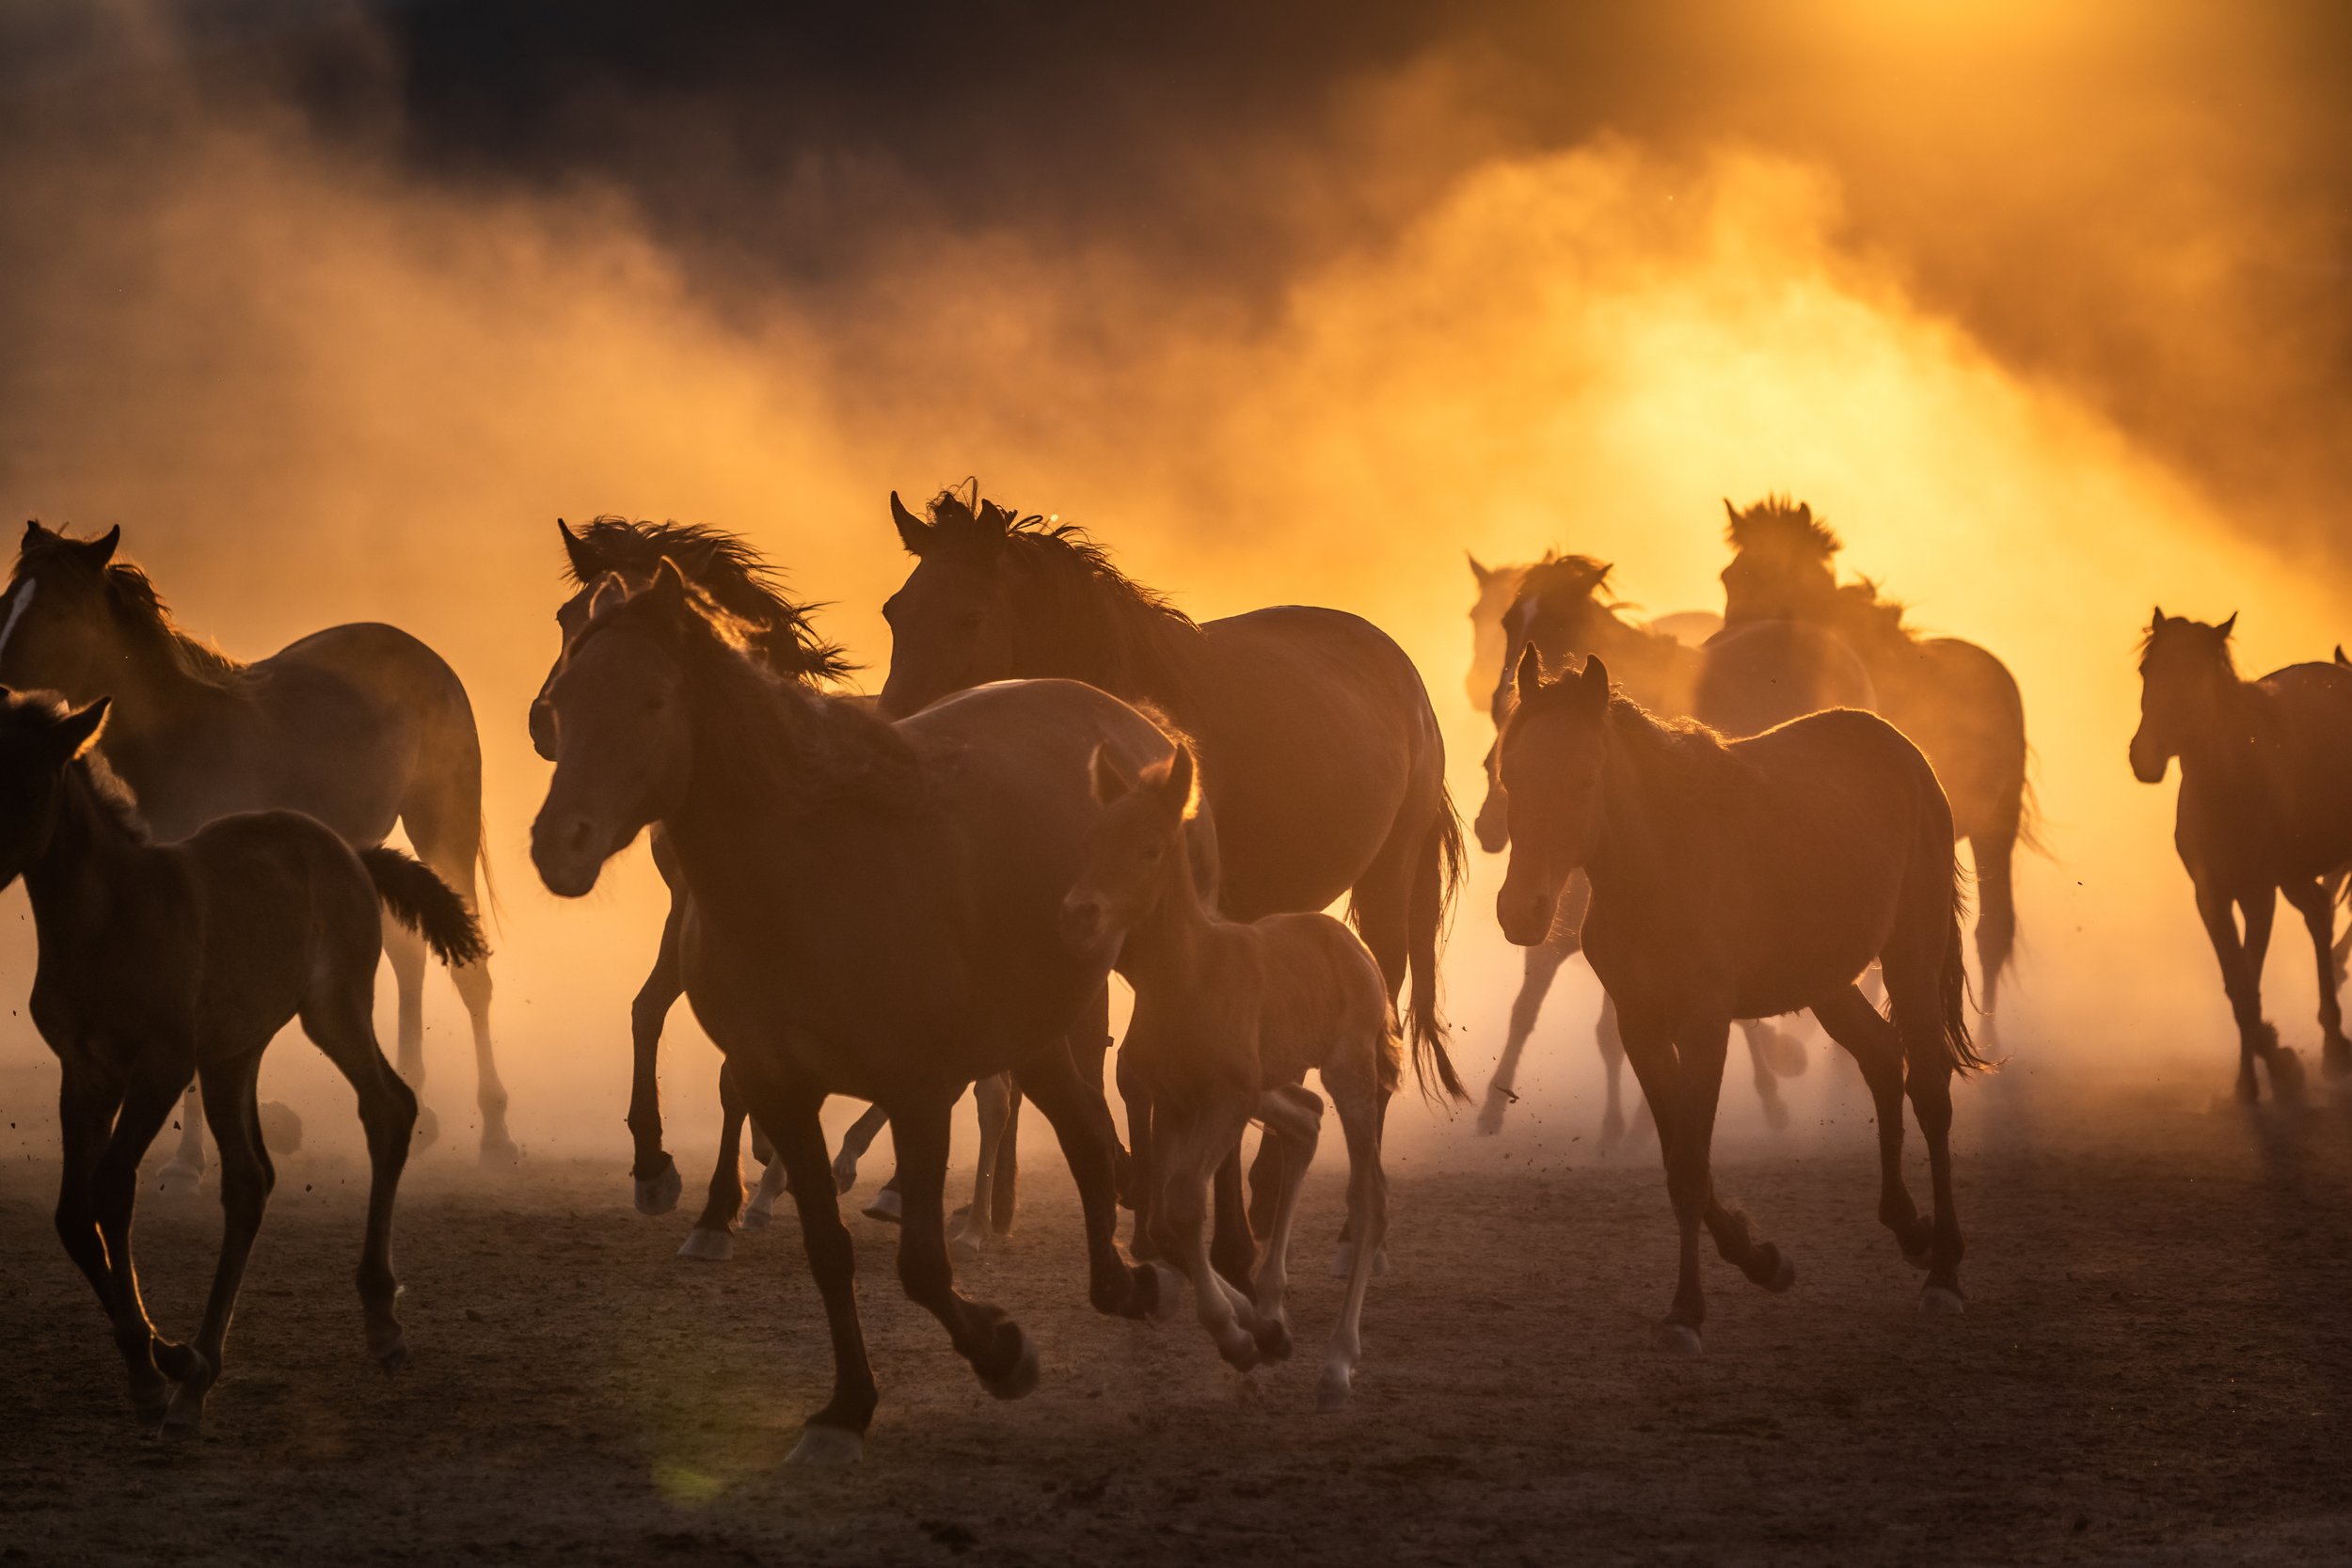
[
  {"x": 1759, "y": 673},
  {"x": 2291, "y": 815}
]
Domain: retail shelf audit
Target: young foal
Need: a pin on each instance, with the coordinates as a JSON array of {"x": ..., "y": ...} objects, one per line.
[
  {"x": 2263, "y": 811},
  {"x": 159, "y": 961},
  {"x": 1745, "y": 879},
  {"x": 1229, "y": 1017}
]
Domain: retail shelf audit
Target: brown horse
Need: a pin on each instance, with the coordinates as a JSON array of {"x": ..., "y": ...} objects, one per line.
[
  {"x": 1745, "y": 879},
  {"x": 160, "y": 962},
  {"x": 1959, "y": 704},
  {"x": 1229, "y": 1018},
  {"x": 1560, "y": 611},
  {"x": 2263, "y": 811},
  {"x": 360, "y": 726},
  {"x": 875, "y": 911},
  {"x": 1320, "y": 754}
]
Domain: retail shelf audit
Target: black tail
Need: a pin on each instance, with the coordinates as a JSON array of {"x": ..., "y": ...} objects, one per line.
[
  {"x": 1437, "y": 877},
  {"x": 418, "y": 900}
]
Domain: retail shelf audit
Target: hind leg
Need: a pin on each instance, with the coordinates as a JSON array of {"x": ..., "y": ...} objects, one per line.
[
  {"x": 184, "y": 1170},
  {"x": 1082, "y": 1121},
  {"x": 1543, "y": 962},
  {"x": 473, "y": 989},
  {"x": 246, "y": 1179},
  {"x": 344, "y": 1030},
  {"x": 1193, "y": 1140},
  {"x": 992, "y": 1098},
  {"x": 1878, "y": 1050},
  {"x": 1761, "y": 1046},
  {"x": 854, "y": 1143},
  {"x": 114, "y": 1194},
  {"x": 1354, "y": 1088},
  {"x": 2317, "y": 902},
  {"x": 406, "y": 950},
  {"x": 761, "y": 1210},
  {"x": 1912, "y": 986},
  {"x": 2241, "y": 980},
  {"x": 1293, "y": 1118},
  {"x": 712, "y": 1239},
  {"x": 1000, "y": 1354}
]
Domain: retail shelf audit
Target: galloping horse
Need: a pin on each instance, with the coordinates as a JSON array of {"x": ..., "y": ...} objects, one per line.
[
  {"x": 2263, "y": 811},
  {"x": 1743, "y": 879},
  {"x": 1753, "y": 680},
  {"x": 875, "y": 911},
  {"x": 1958, "y": 702},
  {"x": 359, "y": 726},
  {"x": 1320, "y": 755},
  {"x": 163, "y": 962}
]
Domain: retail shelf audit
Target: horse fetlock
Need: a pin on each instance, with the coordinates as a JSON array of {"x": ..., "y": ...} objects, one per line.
[
  {"x": 1274, "y": 1337},
  {"x": 659, "y": 1194},
  {"x": 1161, "y": 1289},
  {"x": 1333, "y": 1389},
  {"x": 427, "y": 1131},
  {"x": 176, "y": 1361},
  {"x": 1010, "y": 1370},
  {"x": 1772, "y": 1269},
  {"x": 1490, "y": 1115}
]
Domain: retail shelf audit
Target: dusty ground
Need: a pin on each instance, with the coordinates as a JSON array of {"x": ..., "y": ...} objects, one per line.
[{"x": 2154, "y": 1367}]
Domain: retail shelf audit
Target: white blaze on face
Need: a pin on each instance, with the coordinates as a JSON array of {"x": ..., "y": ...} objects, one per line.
[{"x": 16, "y": 613}]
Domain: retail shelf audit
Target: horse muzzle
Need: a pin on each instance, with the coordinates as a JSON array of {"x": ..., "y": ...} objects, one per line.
[
  {"x": 1525, "y": 917},
  {"x": 569, "y": 852},
  {"x": 2148, "y": 764}
]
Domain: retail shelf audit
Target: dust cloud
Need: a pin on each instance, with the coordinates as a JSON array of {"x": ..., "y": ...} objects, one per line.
[{"x": 315, "y": 383}]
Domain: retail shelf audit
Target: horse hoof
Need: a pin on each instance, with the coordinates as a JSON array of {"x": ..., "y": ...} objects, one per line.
[
  {"x": 1783, "y": 1275},
  {"x": 178, "y": 1175},
  {"x": 1785, "y": 1054},
  {"x": 826, "y": 1448},
  {"x": 2335, "y": 1060},
  {"x": 427, "y": 1131},
  {"x": 394, "y": 1359},
  {"x": 1332, "y": 1390},
  {"x": 2286, "y": 1073},
  {"x": 1937, "y": 1302},
  {"x": 1344, "y": 1261},
  {"x": 885, "y": 1206},
  {"x": 1490, "y": 1115},
  {"x": 1167, "y": 1293},
  {"x": 1775, "y": 1115},
  {"x": 660, "y": 1195},
  {"x": 504, "y": 1152},
  {"x": 1679, "y": 1339},
  {"x": 1020, "y": 1379},
  {"x": 1274, "y": 1340},
  {"x": 707, "y": 1246}
]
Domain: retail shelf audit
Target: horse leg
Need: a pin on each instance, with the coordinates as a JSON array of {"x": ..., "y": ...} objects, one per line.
[
  {"x": 1193, "y": 1140},
  {"x": 473, "y": 989},
  {"x": 2317, "y": 902},
  {"x": 1700, "y": 1046},
  {"x": 406, "y": 950},
  {"x": 1382, "y": 905},
  {"x": 185, "y": 1168},
  {"x": 1912, "y": 984},
  {"x": 1650, "y": 1047},
  {"x": 1005, "y": 1195},
  {"x": 1294, "y": 1118},
  {"x": 2286, "y": 1072},
  {"x": 1089, "y": 1049},
  {"x": 114, "y": 1193},
  {"x": 1758, "y": 1034},
  {"x": 712, "y": 1239},
  {"x": 1000, "y": 1354},
  {"x": 86, "y": 1109},
  {"x": 1878, "y": 1050},
  {"x": 1543, "y": 962},
  {"x": 760, "y": 1212},
  {"x": 2243, "y": 989},
  {"x": 654, "y": 1174},
  {"x": 854, "y": 1143},
  {"x": 1081, "y": 1120},
  {"x": 1135, "y": 1091},
  {"x": 992, "y": 1097},
  {"x": 246, "y": 1179},
  {"x": 788, "y": 1109},
  {"x": 1354, "y": 1087},
  {"x": 344, "y": 1030}
]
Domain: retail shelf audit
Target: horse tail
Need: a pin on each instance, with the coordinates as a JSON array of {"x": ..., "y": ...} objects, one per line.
[
  {"x": 1436, "y": 879},
  {"x": 416, "y": 896}
]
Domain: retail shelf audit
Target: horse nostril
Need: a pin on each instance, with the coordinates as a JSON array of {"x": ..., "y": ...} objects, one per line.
[{"x": 576, "y": 840}]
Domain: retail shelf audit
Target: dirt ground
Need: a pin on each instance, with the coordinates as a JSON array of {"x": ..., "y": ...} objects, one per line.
[{"x": 2153, "y": 1368}]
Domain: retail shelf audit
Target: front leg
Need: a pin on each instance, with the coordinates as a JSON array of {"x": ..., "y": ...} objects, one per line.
[
  {"x": 1000, "y": 1354},
  {"x": 1194, "y": 1139},
  {"x": 2315, "y": 901},
  {"x": 1542, "y": 963},
  {"x": 656, "y": 1174}
]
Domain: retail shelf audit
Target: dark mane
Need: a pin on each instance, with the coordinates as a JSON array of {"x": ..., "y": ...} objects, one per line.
[
  {"x": 103, "y": 783},
  {"x": 1781, "y": 522},
  {"x": 787, "y": 742},
  {"x": 1867, "y": 618},
  {"x": 1079, "y": 611},
  {"x": 146, "y": 620},
  {"x": 2211, "y": 641},
  {"x": 732, "y": 574},
  {"x": 1580, "y": 576}
]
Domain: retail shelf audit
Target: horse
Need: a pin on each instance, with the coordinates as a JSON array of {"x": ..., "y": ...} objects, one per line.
[
  {"x": 1746, "y": 879},
  {"x": 1497, "y": 586},
  {"x": 1320, "y": 754},
  {"x": 1560, "y": 611},
  {"x": 359, "y": 726},
  {"x": 1957, "y": 701},
  {"x": 875, "y": 913},
  {"x": 160, "y": 962},
  {"x": 1229, "y": 1018},
  {"x": 2263, "y": 813}
]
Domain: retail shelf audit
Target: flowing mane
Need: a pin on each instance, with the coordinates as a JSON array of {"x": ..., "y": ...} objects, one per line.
[
  {"x": 1781, "y": 523},
  {"x": 145, "y": 619},
  {"x": 1076, "y": 610},
  {"x": 787, "y": 742},
  {"x": 1869, "y": 619},
  {"x": 103, "y": 784},
  {"x": 729, "y": 573},
  {"x": 1576, "y": 576}
]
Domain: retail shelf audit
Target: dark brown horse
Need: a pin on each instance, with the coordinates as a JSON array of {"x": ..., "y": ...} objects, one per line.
[
  {"x": 1230, "y": 1017},
  {"x": 360, "y": 726},
  {"x": 875, "y": 911},
  {"x": 1320, "y": 755},
  {"x": 1745, "y": 879},
  {"x": 1956, "y": 702},
  {"x": 160, "y": 962},
  {"x": 2265, "y": 809},
  {"x": 1562, "y": 613}
]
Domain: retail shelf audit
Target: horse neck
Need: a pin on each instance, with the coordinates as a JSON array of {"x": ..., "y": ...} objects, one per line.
[
  {"x": 70, "y": 882},
  {"x": 156, "y": 703},
  {"x": 1156, "y": 659},
  {"x": 1632, "y": 848},
  {"x": 1164, "y": 948},
  {"x": 2218, "y": 749}
]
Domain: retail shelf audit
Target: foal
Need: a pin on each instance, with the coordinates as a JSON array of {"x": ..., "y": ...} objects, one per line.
[
  {"x": 2263, "y": 811},
  {"x": 1745, "y": 879},
  {"x": 1228, "y": 1016},
  {"x": 163, "y": 962}
]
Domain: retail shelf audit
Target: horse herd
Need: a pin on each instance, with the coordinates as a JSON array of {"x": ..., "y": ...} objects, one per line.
[{"x": 1064, "y": 777}]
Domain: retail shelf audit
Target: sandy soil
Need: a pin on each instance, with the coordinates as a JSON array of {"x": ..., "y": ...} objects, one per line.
[{"x": 2154, "y": 1367}]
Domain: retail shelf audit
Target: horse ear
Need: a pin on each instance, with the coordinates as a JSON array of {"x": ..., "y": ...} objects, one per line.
[
  {"x": 1482, "y": 573},
  {"x": 34, "y": 533},
  {"x": 611, "y": 593},
  {"x": 1109, "y": 780},
  {"x": 994, "y": 519},
  {"x": 99, "y": 551},
  {"x": 585, "y": 566},
  {"x": 2157, "y": 625},
  {"x": 73, "y": 733},
  {"x": 1527, "y": 679},
  {"x": 2228, "y": 627},
  {"x": 1595, "y": 684},
  {"x": 668, "y": 583},
  {"x": 914, "y": 533},
  {"x": 1731, "y": 512},
  {"x": 1176, "y": 784}
]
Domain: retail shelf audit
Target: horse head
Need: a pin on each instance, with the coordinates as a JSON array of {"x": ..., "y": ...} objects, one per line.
[
  {"x": 2185, "y": 667},
  {"x": 1553, "y": 753}
]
